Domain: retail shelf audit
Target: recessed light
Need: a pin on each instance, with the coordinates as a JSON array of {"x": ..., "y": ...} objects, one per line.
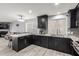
[
  {"x": 56, "y": 3},
  {"x": 30, "y": 11}
]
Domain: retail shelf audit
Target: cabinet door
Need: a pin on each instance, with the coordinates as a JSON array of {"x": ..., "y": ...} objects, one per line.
[
  {"x": 62, "y": 44},
  {"x": 51, "y": 42},
  {"x": 37, "y": 40},
  {"x": 73, "y": 18},
  {"x": 21, "y": 43},
  {"x": 27, "y": 40},
  {"x": 43, "y": 21},
  {"x": 44, "y": 41}
]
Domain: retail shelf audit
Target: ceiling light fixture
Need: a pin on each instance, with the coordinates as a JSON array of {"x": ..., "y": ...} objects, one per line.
[
  {"x": 20, "y": 18},
  {"x": 30, "y": 11},
  {"x": 56, "y": 3}
]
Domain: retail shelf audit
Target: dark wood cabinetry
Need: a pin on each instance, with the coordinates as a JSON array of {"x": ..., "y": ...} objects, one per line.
[
  {"x": 40, "y": 41},
  {"x": 20, "y": 43},
  {"x": 37, "y": 40},
  {"x": 77, "y": 14},
  {"x": 51, "y": 43},
  {"x": 59, "y": 44},
  {"x": 62, "y": 44},
  {"x": 56, "y": 43},
  {"x": 73, "y": 18},
  {"x": 44, "y": 41},
  {"x": 43, "y": 22}
]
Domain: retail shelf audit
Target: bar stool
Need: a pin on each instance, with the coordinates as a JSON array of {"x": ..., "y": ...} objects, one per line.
[{"x": 10, "y": 43}]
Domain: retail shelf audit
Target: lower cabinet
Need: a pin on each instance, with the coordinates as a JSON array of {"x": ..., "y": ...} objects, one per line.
[
  {"x": 27, "y": 40},
  {"x": 62, "y": 44},
  {"x": 56, "y": 43},
  {"x": 41, "y": 41},
  {"x": 44, "y": 41},
  {"x": 20, "y": 43},
  {"x": 37, "y": 40},
  {"x": 51, "y": 42}
]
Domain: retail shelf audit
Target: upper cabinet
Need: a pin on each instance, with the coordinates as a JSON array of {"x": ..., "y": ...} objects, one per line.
[
  {"x": 77, "y": 16},
  {"x": 43, "y": 22},
  {"x": 74, "y": 17}
]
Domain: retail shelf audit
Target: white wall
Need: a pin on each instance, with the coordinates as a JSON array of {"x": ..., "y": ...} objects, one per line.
[
  {"x": 20, "y": 28},
  {"x": 32, "y": 26}
]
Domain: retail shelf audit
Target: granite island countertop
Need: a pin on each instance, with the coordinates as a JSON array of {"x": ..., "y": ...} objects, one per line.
[{"x": 19, "y": 35}]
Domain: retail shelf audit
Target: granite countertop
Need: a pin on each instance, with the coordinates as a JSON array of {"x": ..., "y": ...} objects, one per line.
[
  {"x": 74, "y": 38},
  {"x": 19, "y": 35}
]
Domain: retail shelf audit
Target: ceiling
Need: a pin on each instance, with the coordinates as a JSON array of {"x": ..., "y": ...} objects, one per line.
[{"x": 9, "y": 11}]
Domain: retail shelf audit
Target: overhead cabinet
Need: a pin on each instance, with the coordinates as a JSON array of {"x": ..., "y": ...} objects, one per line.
[
  {"x": 74, "y": 17},
  {"x": 43, "y": 22}
]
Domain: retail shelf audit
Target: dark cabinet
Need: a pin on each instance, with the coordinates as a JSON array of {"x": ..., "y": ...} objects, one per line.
[
  {"x": 43, "y": 21},
  {"x": 37, "y": 40},
  {"x": 44, "y": 41},
  {"x": 41, "y": 41},
  {"x": 56, "y": 43},
  {"x": 62, "y": 44},
  {"x": 21, "y": 43},
  {"x": 73, "y": 19},
  {"x": 51, "y": 42},
  {"x": 27, "y": 40},
  {"x": 77, "y": 15}
]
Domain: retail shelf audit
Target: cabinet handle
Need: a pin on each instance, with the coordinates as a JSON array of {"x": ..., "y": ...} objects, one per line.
[{"x": 25, "y": 42}]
